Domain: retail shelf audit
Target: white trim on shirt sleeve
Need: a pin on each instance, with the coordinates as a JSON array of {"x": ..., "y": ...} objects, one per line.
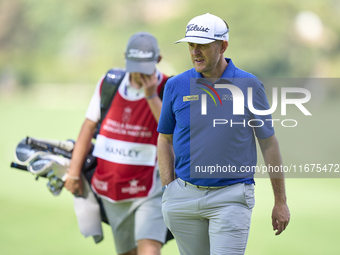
[{"x": 93, "y": 110}]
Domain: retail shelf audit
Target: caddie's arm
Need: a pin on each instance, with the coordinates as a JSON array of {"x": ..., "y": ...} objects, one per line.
[
  {"x": 166, "y": 158},
  {"x": 272, "y": 157},
  {"x": 149, "y": 83},
  {"x": 73, "y": 182}
]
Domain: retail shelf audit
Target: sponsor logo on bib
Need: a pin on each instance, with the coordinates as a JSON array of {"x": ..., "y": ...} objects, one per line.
[
  {"x": 99, "y": 185},
  {"x": 126, "y": 116},
  {"x": 134, "y": 188}
]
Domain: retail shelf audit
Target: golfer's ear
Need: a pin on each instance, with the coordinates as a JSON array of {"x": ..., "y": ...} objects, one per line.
[
  {"x": 224, "y": 46},
  {"x": 159, "y": 59}
]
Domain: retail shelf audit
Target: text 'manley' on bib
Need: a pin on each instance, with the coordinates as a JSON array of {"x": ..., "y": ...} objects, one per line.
[{"x": 123, "y": 152}]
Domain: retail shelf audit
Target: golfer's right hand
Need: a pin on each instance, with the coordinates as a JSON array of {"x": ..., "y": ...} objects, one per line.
[{"x": 74, "y": 186}]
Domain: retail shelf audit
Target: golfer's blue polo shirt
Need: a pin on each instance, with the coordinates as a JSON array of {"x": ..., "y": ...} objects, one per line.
[{"x": 216, "y": 148}]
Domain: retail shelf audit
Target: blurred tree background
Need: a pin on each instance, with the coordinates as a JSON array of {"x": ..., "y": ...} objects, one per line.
[
  {"x": 68, "y": 42},
  {"x": 53, "y": 52}
]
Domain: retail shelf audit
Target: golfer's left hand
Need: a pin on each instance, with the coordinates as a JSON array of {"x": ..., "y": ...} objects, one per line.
[{"x": 280, "y": 217}]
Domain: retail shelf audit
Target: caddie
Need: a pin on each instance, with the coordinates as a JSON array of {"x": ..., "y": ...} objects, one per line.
[{"x": 126, "y": 177}]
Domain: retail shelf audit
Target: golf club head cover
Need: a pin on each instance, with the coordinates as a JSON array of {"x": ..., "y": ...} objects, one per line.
[
  {"x": 25, "y": 153},
  {"x": 43, "y": 164},
  {"x": 54, "y": 168}
]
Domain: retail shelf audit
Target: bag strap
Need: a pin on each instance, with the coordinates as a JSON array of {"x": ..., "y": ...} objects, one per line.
[{"x": 108, "y": 90}]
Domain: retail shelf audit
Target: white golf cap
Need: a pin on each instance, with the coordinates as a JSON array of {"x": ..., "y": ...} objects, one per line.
[{"x": 205, "y": 29}]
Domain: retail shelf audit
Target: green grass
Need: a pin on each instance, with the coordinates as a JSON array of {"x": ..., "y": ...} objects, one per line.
[{"x": 33, "y": 221}]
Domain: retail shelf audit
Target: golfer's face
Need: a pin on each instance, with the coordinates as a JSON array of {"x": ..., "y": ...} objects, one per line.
[{"x": 205, "y": 57}]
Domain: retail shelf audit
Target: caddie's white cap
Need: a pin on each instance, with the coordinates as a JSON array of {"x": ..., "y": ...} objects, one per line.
[{"x": 205, "y": 29}]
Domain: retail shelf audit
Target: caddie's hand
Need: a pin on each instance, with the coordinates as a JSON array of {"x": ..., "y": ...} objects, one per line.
[
  {"x": 74, "y": 186},
  {"x": 280, "y": 217},
  {"x": 149, "y": 83}
]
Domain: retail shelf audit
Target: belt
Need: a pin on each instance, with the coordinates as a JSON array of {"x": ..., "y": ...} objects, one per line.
[{"x": 202, "y": 187}]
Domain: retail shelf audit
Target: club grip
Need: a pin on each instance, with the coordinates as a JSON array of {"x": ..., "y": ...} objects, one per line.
[{"x": 18, "y": 166}]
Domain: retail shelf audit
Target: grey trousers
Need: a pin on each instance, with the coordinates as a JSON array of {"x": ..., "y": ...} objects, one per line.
[{"x": 213, "y": 221}]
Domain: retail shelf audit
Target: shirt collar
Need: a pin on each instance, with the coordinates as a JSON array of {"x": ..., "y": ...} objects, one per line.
[{"x": 228, "y": 73}]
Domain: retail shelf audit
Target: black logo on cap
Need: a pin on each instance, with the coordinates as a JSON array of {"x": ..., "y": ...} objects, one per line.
[{"x": 193, "y": 27}]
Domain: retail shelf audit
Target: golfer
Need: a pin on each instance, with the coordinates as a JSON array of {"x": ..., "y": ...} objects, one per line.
[{"x": 206, "y": 142}]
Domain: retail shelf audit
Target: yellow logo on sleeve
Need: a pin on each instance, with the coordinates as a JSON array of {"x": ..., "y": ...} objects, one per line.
[{"x": 190, "y": 98}]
